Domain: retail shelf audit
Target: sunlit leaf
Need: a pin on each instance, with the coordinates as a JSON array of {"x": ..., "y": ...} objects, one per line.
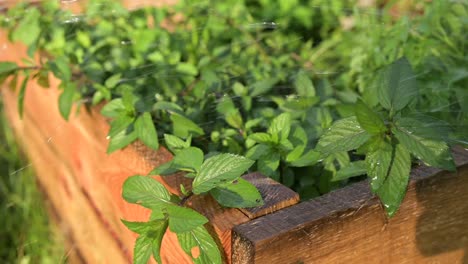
[
  {"x": 182, "y": 219},
  {"x": 393, "y": 189},
  {"x": 145, "y": 191},
  {"x": 344, "y": 135},
  {"x": 239, "y": 194},
  {"x": 66, "y": 99},
  {"x": 433, "y": 152},
  {"x": 199, "y": 244},
  {"x": 146, "y": 131},
  {"x": 219, "y": 169}
]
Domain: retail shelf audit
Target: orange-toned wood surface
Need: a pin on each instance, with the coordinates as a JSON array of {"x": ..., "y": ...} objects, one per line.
[
  {"x": 85, "y": 184},
  {"x": 349, "y": 225}
]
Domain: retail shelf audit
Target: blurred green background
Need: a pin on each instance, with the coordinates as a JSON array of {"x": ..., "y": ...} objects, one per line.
[{"x": 26, "y": 233}]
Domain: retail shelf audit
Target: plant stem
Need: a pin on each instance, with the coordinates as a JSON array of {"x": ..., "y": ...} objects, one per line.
[
  {"x": 29, "y": 68},
  {"x": 185, "y": 199}
]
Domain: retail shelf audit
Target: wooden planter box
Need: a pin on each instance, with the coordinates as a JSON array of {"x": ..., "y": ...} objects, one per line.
[{"x": 84, "y": 185}]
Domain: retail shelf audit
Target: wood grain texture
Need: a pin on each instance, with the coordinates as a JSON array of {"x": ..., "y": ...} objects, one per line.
[
  {"x": 275, "y": 195},
  {"x": 349, "y": 225}
]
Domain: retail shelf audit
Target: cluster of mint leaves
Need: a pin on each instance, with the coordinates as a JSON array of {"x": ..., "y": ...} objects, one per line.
[
  {"x": 388, "y": 138},
  {"x": 217, "y": 175},
  {"x": 316, "y": 106}
]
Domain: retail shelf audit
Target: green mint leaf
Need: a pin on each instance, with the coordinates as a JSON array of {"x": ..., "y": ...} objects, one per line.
[
  {"x": 218, "y": 169},
  {"x": 261, "y": 137},
  {"x": 298, "y": 136},
  {"x": 188, "y": 159},
  {"x": 21, "y": 95},
  {"x": 182, "y": 219},
  {"x": 146, "y": 191},
  {"x": 226, "y": 105},
  {"x": 234, "y": 119},
  {"x": 393, "y": 190},
  {"x": 368, "y": 119},
  {"x": 187, "y": 69},
  {"x": 183, "y": 127},
  {"x": 168, "y": 106},
  {"x": 344, "y": 135},
  {"x": 83, "y": 38},
  {"x": 398, "y": 85},
  {"x": 253, "y": 123},
  {"x": 114, "y": 108},
  {"x": 66, "y": 99},
  {"x": 238, "y": 194},
  {"x": 308, "y": 159},
  {"x": 164, "y": 169},
  {"x": 157, "y": 241},
  {"x": 258, "y": 151},
  {"x": 425, "y": 126},
  {"x": 142, "y": 228},
  {"x": 378, "y": 161},
  {"x": 433, "y": 152},
  {"x": 295, "y": 154},
  {"x": 137, "y": 227},
  {"x": 146, "y": 131},
  {"x": 142, "y": 250},
  {"x": 43, "y": 78},
  {"x": 199, "y": 244},
  {"x": 299, "y": 104},
  {"x": 28, "y": 29},
  {"x": 352, "y": 170},
  {"x": 268, "y": 164},
  {"x": 119, "y": 124},
  {"x": 175, "y": 143},
  {"x": 129, "y": 99},
  {"x": 281, "y": 126},
  {"x": 7, "y": 67},
  {"x": 285, "y": 145},
  {"x": 304, "y": 85},
  {"x": 112, "y": 81},
  {"x": 61, "y": 68},
  {"x": 121, "y": 140},
  {"x": 262, "y": 87}
]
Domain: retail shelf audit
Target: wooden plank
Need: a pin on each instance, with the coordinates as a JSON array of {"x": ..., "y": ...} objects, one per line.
[
  {"x": 349, "y": 225},
  {"x": 275, "y": 195}
]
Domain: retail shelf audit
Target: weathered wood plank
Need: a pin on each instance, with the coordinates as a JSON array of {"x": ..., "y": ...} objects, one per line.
[
  {"x": 275, "y": 195},
  {"x": 349, "y": 225}
]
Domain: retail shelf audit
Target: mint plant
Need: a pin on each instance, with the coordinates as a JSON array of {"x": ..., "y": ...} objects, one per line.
[
  {"x": 217, "y": 175},
  {"x": 311, "y": 102},
  {"x": 388, "y": 138},
  {"x": 282, "y": 146}
]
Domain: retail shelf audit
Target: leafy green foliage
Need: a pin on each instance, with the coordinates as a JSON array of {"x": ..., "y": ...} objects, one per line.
[
  {"x": 388, "y": 161},
  {"x": 211, "y": 176},
  {"x": 146, "y": 131},
  {"x": 218, "y": 169},
  {"x": 344, "y": 135},
  {"x": 309, "y": 98}
]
